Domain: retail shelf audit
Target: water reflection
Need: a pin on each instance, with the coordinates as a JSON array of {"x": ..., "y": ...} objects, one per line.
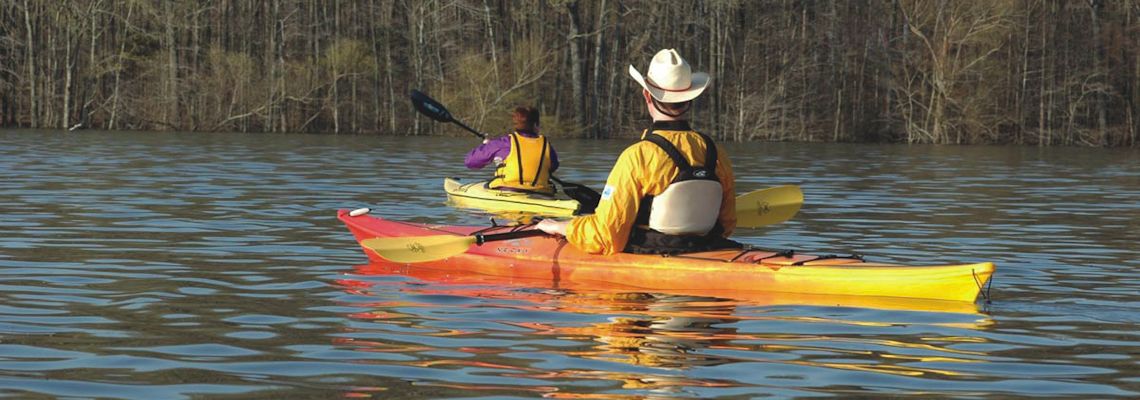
[{"x": 666, "y": 340}]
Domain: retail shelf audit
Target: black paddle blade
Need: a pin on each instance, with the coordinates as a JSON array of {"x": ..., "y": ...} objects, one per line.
[
  {"x": 587, "y": 198},
  {"x": 429, "y": 107}
]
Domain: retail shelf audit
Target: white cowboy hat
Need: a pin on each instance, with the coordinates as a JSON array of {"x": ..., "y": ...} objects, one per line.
[{"x": 669, "y": 78}]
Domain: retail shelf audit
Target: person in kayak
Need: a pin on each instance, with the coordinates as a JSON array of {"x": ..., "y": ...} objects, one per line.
[
  {"x": 525, "y": 159},
  {"x": 671, "y": 192}
]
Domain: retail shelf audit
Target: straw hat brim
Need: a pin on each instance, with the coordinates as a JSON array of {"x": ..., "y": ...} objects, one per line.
[{"x": 700, "y": 81}]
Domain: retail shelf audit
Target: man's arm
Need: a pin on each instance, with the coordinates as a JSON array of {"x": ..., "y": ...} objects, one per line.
[
  {"x": 727, "y": 217},
  {"x": 607, "y": 230}
]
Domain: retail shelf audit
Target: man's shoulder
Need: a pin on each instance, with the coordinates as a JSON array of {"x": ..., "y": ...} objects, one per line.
[
  {"x": 639, "y": 147},
  {"x": 673, "y": 137}
]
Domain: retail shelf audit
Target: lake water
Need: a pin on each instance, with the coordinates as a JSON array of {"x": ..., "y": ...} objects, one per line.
[{"x": 177, "y": 265}]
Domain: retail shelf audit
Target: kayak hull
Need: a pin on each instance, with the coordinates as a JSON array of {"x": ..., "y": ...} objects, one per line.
[
  {"x": 450, "y": 281},
  {"x": 477, "y": 195},
  {"x": 552, "y": 259}
]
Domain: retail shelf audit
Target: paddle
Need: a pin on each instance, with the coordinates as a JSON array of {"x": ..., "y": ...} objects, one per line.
[
  {"x": 431, "y": 108},
  {"x": 754, "y": 209},
  {"x": 414, "y": 249},
  {"x": 768, "y": 206},
  {"x": 587, "y": 198}
]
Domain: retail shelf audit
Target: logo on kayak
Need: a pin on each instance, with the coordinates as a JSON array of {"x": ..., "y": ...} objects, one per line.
[
  {"x": 762, "y": 208},
  {"x": 511, "y": 250},
  {"x": 515, "y": 250},
  {"x": 416, "y": 247}
]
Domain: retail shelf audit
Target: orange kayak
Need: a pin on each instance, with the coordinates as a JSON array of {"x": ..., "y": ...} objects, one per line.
[{"x": 730, "y": 271}]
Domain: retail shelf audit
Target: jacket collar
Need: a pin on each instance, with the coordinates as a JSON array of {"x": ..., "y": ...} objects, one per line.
[{"x": 681, "y": 125}]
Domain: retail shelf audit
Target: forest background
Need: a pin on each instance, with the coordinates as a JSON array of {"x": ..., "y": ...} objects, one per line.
[{"x": 1038, "y": 72}]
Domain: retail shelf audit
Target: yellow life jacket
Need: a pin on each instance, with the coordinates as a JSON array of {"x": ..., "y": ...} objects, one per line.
[{"x": 527, "y": 166}]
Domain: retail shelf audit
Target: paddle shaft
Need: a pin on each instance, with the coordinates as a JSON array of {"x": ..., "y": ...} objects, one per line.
[
  {"x": 481, "y": 135},
  {"x": 481, "y": 238}
]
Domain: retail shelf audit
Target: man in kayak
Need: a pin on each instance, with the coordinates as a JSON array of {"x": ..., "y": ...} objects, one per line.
[
  {"x": 671, "y": 192},
  {"x": 524, "y": 158}
]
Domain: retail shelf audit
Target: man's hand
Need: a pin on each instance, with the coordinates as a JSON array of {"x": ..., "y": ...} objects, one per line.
[{"x": 553, "y": 227}]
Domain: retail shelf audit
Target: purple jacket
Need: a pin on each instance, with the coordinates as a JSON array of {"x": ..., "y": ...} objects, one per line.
[{"x": 500, "y": 148}]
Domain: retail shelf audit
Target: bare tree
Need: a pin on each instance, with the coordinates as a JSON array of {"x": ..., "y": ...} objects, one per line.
[{"x": 929, "y": 71}]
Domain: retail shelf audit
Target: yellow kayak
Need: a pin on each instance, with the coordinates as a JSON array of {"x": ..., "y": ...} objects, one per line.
[{"x": 478, "y": 195}]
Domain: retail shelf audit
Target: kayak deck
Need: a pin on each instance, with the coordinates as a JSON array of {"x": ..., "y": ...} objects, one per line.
[
  {"x": 749, "y": 270},
  {"x": 477, "y": 195}
]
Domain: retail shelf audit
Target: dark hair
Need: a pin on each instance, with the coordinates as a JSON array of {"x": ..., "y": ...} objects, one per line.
[
  {"x": 672, "y": 109},
  {"x": 525, "y": 118}
]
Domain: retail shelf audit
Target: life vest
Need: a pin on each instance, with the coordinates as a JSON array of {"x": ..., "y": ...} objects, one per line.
[
  {"x": 527, "y": 166},
  {"x": 690, "y": 204},
  {"x": 683, "y": 218}
]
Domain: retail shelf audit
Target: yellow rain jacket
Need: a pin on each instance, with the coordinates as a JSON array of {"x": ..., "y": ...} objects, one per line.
[
  {"x": 527, "y": 167},
  {"x": 643, "y": 169}
]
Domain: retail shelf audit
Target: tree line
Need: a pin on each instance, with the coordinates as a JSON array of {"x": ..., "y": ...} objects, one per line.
[{"x": 1039, "y": 72}]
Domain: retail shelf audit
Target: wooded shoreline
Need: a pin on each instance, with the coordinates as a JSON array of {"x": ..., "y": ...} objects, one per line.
[{"x": 1031, "y": 72}]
